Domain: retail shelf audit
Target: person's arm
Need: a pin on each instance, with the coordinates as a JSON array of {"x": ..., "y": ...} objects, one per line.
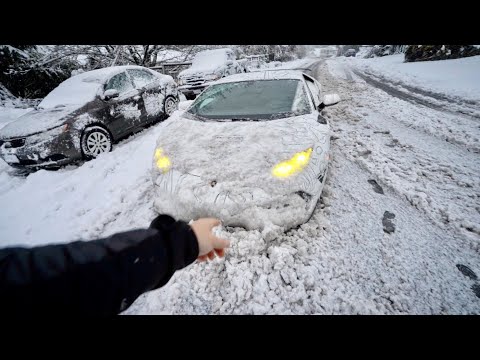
[{"x": 99, "y": 277}]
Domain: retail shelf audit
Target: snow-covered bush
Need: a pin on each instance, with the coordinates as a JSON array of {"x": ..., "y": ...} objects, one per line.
[
  {"x": 439, "y": 52},
  {"x": 24, "y": 74},
  {"x": 384, "y": 50}
]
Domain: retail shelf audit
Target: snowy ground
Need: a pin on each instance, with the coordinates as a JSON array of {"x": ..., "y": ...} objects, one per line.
[
  {"x": 393, "y": 153},
  {"x": 452, "y": 84}
]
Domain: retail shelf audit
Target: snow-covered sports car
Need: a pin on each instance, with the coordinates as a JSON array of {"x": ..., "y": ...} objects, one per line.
[{"x": 252, "y": 150}]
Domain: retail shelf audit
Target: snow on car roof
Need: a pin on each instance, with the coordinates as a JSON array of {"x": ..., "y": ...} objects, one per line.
[
  {"x": 82, "y": 88},
  {"x": 263, "y": 75},
  {"x": 101, "y": 75},
  {"x": 210, "y": 58}
]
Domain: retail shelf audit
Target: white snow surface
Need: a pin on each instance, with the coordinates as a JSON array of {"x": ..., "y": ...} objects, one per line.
[
  {"x": 300, "y": 63},
  {"x": 458, "y": 78},
  {"x": 341, "y": 261}
]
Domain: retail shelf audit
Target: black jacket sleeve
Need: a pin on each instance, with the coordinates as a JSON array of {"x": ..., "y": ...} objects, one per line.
[{"x": 99, "y": 277}]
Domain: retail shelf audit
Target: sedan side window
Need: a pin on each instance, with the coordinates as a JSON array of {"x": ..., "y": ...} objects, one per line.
[
  {"x": 141, "y": 77},
  {"x": 120, "y": 82}
]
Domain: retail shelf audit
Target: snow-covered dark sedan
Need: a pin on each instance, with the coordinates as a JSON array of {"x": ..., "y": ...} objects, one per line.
[
  {"x": 86, "y": 114},
  {"x": 252, "y": 149}
]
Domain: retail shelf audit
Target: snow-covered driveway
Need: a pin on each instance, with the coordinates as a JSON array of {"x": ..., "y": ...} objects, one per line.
[{"x": 400, "y": 211}]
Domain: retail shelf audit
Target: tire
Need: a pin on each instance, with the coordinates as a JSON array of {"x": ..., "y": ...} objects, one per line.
[
  {"x": 170, "y": 105},
  {"x": 95, "y": 140}
]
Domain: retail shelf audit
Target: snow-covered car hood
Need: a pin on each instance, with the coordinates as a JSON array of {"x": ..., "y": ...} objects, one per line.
[
  {"x": 201, "y": 71},
  {"x": 240, "y": 152},
  {"x": 36, "y": 121}
]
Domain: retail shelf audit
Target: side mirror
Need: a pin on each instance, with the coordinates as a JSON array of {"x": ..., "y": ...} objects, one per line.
[
  {"x": 184, "y": 105},
  {"x": 110, "y": 94},
  {"x": 321, "y": 119},
  {"x": 331, "y": 99}
]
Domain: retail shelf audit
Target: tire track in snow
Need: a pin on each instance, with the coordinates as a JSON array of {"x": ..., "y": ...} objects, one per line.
[{"x": 432, "y": 100}]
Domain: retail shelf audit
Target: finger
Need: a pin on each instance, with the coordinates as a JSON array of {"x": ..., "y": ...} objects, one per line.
[
  {"x": 211, "y": 255},
  {"x": 219, "y": 243},
  {"x": 202, "y": 258},
  {"x": 220, "y": 252}
]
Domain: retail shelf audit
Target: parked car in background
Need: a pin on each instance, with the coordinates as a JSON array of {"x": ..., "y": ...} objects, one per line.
[
  {"x": 207, "y": 66},
  {"x": 252, "y": 150},
  {"x": 350, "y": 53},
  {"x": 256, "y": 62},
  {"x": 86, "y": 114}
]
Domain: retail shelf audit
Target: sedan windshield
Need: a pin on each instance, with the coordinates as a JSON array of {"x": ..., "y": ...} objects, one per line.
[{"x": 252, "y": 100}]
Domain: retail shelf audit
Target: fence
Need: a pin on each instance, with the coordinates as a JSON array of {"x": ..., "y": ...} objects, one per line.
[{"x": 172, "y": 68}]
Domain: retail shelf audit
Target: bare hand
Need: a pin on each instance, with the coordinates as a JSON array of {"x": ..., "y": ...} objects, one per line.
[{"x": 208, "y": 243}]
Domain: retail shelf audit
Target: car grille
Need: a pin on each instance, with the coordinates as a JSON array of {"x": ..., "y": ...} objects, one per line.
[
  {"x": 194, "y": 80},
  {"x": 15, "y": 143}
]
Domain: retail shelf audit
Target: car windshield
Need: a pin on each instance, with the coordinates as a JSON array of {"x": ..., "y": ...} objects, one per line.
[{"x": 251, "y": 100}]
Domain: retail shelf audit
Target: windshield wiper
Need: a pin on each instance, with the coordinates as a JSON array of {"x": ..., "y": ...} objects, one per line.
[{"x": 243, "y": 119}]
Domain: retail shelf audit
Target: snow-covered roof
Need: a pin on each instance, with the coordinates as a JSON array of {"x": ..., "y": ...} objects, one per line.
[{"x": 263, "y": 75}]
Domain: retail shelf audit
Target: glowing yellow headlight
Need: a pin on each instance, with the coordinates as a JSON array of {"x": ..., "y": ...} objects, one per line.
[
  {"x": 162, "y": 161},
  {"x": 293, "y": 165}
]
